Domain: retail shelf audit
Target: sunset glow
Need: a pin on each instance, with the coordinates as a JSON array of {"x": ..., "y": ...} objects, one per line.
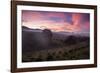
[{"x": 56, "y": 21}]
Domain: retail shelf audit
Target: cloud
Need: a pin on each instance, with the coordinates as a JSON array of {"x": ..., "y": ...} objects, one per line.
[{"x": 56, "y": 21}]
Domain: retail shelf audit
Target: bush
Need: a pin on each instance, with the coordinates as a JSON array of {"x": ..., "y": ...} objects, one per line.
[{"x": 71, "y": 40}]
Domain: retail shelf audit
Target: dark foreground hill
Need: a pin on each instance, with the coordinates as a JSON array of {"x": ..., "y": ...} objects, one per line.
[
  {"x": 35, "y": 39},
  {"x": 37, "y": 42}
]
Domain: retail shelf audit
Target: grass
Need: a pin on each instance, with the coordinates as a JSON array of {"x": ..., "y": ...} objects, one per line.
[
  {"x": 59, "y": 51},
  {"x": 74, "y": 54}
]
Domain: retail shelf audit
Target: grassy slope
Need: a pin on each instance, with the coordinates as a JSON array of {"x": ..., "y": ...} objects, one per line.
[{"x": 72, "y": 52}]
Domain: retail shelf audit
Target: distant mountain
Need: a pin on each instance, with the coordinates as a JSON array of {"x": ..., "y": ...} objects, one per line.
[
  {"x": 24, "y": 28},
  {"x": 64, "y": 35},
  {"x": 74, "y": 33},
  {"x": 55, "y": 35}
]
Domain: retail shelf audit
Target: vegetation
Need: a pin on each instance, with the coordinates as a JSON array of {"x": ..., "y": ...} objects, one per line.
[
  {"x": 54, "y": 55},
  {"x": 44, "y": 47}
]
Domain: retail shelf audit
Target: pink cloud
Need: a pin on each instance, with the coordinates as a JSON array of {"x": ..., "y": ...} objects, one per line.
[
  {"x": 75, "y": 26},
  {"x": 56, "y": 14},
  {"x": 86, "y": 26},
  {"x": 40, "y": 20},
  {"x": 31, "y": 16}
]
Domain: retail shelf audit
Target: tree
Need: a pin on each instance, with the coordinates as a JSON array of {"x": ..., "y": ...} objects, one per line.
[
  {"x": 71, "y": 40},
  {"x": 48, "y": 35}
]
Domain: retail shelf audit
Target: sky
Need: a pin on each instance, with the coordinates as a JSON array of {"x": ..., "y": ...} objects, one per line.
[{"x": 56, "y": 21}]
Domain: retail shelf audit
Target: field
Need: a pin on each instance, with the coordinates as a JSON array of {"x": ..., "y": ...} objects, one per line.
[
  {"x": 63, "y": 53},
  {"x": 68, "y": 48}
]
